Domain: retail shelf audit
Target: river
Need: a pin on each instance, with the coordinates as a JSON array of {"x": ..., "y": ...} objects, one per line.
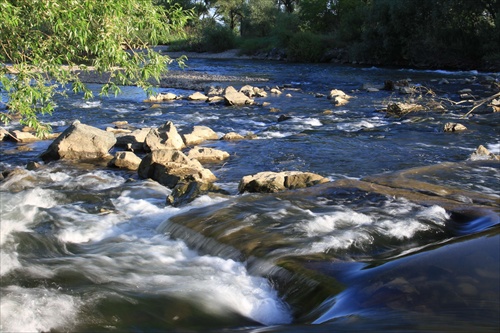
[{"x": 87, "y": 248}]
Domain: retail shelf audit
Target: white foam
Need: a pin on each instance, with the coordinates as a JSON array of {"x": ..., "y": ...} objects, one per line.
[
  {"x": 37, "y": 310},
  {"x": 401, "y": 229},
  {"x": 160, "y": 266},
  {"x": 324, "y": 224},
  {"x": 360, "y": 125},
  {"x": 342, "y": 240},
  {"x": 314, "y": 122},
  {"x": 494, "y": 148},
  {"x": 86, "y": 104}
]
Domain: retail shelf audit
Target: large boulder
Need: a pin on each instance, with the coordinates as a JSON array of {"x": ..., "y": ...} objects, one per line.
[
  {"x": 271, "y": 182},
  {"x": 80, "y": 142},
  {"x": 207, "y": 155},
  {"x": 125, "y": 160},
  {"x": 198, "y": 135},
  {"x": 171, "y": 166},
  {"x": 163, "y": 137},
  {"x": 134, "y": 140},
  {"x": 236, "y": 98}
]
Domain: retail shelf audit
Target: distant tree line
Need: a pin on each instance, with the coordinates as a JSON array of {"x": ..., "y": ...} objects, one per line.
[{"x": 431, "y": 33}]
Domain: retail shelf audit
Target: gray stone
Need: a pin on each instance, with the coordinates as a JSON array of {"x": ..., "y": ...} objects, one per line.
[
  {"x": 199, "y": 135},
  {"x": 454, "y": 127},
  {"x": 236, "y": 98},
  {"x": 171, "y": 166},
  {"x": 163, "y": 137},
  {"x": 207, "y": 155},
  {"x": 125, "y": 160},
  {"x": 271, "y": 182},
  {"x": 79, "y": 142}
]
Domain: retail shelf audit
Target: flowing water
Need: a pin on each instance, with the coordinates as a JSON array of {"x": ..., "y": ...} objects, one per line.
[{"x": 86, "y": 248}]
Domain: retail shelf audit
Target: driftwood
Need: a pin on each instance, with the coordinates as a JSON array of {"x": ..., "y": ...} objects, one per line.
[{"x": 481, "y": 102}]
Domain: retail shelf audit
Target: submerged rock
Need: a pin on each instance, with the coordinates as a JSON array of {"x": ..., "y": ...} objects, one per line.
[
  {"x": 80, "y": 142},
  {"x": 271, "y": 182},
  {"x": 184, "y": 193}
]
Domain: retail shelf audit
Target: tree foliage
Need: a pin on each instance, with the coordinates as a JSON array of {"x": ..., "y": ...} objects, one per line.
[{"x": 45, "y": 44}]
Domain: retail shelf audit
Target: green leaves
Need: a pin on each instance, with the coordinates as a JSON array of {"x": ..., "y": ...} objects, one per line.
[{"x": 45, "y": 44}]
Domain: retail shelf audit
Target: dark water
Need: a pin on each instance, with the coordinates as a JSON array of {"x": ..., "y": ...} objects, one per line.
[{"x": 86, "y": 248}]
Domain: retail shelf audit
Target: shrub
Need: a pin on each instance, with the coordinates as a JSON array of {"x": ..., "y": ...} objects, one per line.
[{"x": 306, "y": 47}]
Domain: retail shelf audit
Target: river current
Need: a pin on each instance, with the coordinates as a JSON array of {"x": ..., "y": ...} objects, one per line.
[{"x": 87, "y": 248}]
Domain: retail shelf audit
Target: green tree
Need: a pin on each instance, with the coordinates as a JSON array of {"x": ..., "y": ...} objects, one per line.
[
  {"x": 44, "y": 44},
  {"x": 260, "y": 18}
]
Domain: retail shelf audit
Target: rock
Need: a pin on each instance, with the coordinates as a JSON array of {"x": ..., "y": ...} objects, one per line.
[
  {"x": 161, "y": 98},
  {"x": 117, "y": 131},
  {"x": 275, "y": 91},
  {"x": 197, "y": 96},
  {"x": 184, "y": 193},
  {"x": 80, "y": 142},
  {"x": 283, "y": 118},
  {"x": 134, "y": 140},
  {"x": 215, "y": 99},
  {"x": 125, "y": 160},
  {"x": 163, "y": 137},
  {"x": 482, "y": 153},
  {"x": 236, "y": 98},
  {"x": 32, "y": 165},
  {"x": 400, "y": 109},
  {"x": 339, "y": 97},
  {"x": 248, "y": 90},
  {"x": 213, "y": 91},
  {"x": 121, "y": 124},
  {"x": 21, "y": 136},
  {"x": 454, "y": 127},
  {"x": 199, "y": 135},
  {"x": 444, "y": 81},
  {"x": 207, "y": 155},
  {"x": 271, "y": 182},
  {"x": 495, "y": 105},
  {"x": 171, "y": 166},
  {"x": 231, "y": 136}
]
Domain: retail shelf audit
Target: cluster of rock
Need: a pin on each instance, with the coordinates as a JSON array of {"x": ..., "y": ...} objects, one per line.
[
  {"x": 217, "y": 94},
  {"x": 165, "y": 160}
]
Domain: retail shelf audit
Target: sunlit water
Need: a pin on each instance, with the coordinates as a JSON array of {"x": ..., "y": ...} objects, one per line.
[{"x": 86, "y": 248}]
